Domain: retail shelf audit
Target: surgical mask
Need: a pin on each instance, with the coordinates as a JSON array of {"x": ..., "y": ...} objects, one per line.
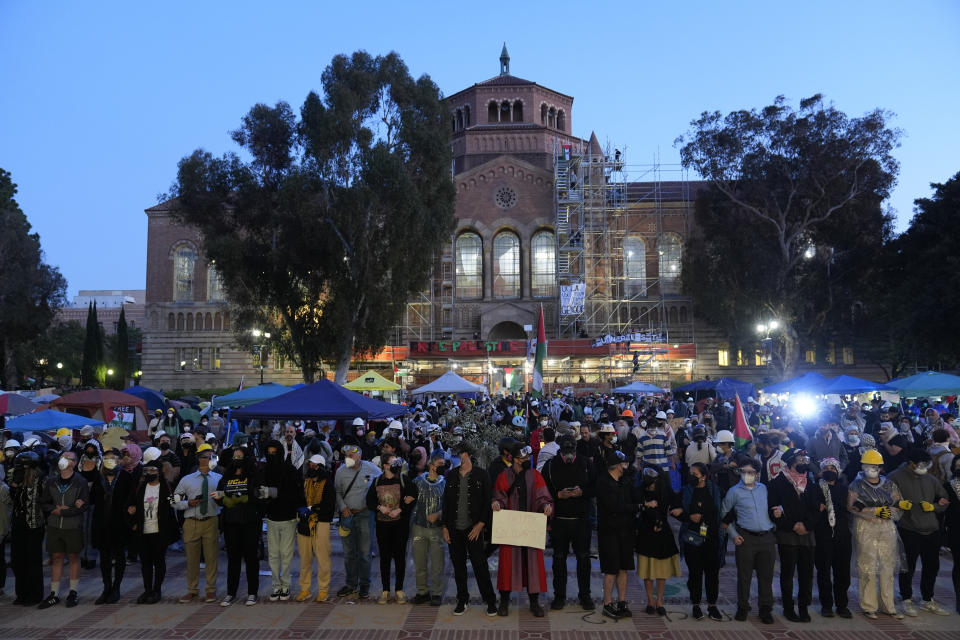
[
  {"x": 170, "y": 415},
  {"x": 614, "y": 439},
  {"x": 350, "y": 462},
  {"x": 63, "y": 464},
  {"x": 109, "y": 463},
  {"x": 871, "y": 472},
  {"x": 748, "y": 478},
  {"x": 920, "y": 471}
]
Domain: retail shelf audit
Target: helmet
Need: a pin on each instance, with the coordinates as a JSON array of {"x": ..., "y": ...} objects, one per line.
[
  {"x": 661, "y": 415},
  {"x": 627, "y": 413},
  {"x": 871, "y": 456},
  {"x": 358, "y": 422},
  {"x": 11, "y": 444},
  {"x": 27, "y": 459},
  {"x": 724, "y": 435},
  {"x": 519, "y": 421},
  {"x": 63, "y": 432},
  {"x": 151, "y": 454},
  {"x": 204, "y": 447}
]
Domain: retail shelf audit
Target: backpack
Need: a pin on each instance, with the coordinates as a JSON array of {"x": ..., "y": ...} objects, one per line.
[{"x": 936, "y": 469}]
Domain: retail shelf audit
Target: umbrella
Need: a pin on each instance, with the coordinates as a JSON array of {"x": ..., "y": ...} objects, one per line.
[
  {"x": 152, "y": 397},
  {"x": 49, "y": 420},
  {"x": 810, "y": 382},
  {"x": 189, "y": 413},
  {"x": 928, "y": 383},
  {"x": 193, "y": 401},
  {"x": 14, "y": 404},
  {"x": 639, "y": 387},
  {"x": 842, "y": 385},
  {"x": 45, "y": 398}
]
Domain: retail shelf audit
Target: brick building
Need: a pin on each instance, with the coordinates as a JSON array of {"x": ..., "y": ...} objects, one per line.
[{"x": 109, "y": 303}]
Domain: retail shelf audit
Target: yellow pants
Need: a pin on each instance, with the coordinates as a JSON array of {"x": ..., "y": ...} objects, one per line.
[
  {"x": 315, "y": 546},
  {"x": 197, "y": 535}
]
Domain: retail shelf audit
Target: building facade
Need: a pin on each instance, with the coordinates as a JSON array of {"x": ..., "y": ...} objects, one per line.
[{"x": 109, "y": 302}]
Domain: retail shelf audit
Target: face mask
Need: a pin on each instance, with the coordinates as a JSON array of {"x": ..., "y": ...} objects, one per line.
[
  {"x": 63, "y": 464},
  {"x": 748, "y": 478},
  {"x": 151, "y": 474},
  {"x": 830, "y": 476},
  {"x": 312, "y": 473},
  {"x": 802, "y": 468},
  {"x": 694, "y": 480},
  {"x": 871, "y": 472},
  {"x": 920, "y": 471},
  {"x": 525, "y": 465},
  {"x": 350, "y": 462},
  {"x": 164, "y": 446},
  {"x": 237, "y": 462},
  {"x": 569, "y": 458},
  {"x": 613, "y": 440},
  {"x": 109, "y": 463}
]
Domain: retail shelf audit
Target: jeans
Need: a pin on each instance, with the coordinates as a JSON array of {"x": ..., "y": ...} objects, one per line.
[
  {"x": 566, "y": 532},
  {"x": 281, "y": 538},
  {"x": 832, "y": 558},
  {"x": 356, "y": 553},
  {"x": 461, "y": 547},
  {"x": 428, "y": 544},
  {"x": 242, "y": 542},
  {"x": 757, "y": 553},
  {"x": 927, "y": 548}
]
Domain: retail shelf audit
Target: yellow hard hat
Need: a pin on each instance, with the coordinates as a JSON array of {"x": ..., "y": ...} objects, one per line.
[
  {"x": 63, "y": 432},
  {"x": 204, "y": 447},
  {"x": 871, "y": 456}
]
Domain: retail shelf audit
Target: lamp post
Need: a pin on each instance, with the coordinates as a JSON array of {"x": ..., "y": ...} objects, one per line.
[
  {"x": 766, "y": 342},
  {"x": 258, "y": 348}
]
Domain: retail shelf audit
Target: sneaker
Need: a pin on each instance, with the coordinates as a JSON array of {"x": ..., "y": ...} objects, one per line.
[
  {"x": 714, "y": 614},
  {"x": 384, "y": 597},
  {"x": 227, "y": 600},
  {"x": 741, "y": 615},
  {"x": 251, "y": 600},
  {"x": 610, "y": 611},
  {"x": 766, "y": 617},
  {"x": 50, "y": 601},
  {"x": 491, "y": 606},
  {"x": 322, "y": 596},
  {"x": 421, "y": 598},
  {"x": 930, "y": 606},
  {"x": 844, "y": 612},
  {"x": 302, "y": 596},
  {"x": 401, "y": 597},
  {"x": 586, "y": 603},
  {"x": 364, "y": 593},
  {"x": 284, "y": 594},
  {"x": 896, "y": 615},
  {"x": 871, "y": 614},
  {"x": 910, "y": 609},
  {"x": 275, "y": 595},
  {"x": 697, "y": 612},
  {"x": 623, "y": 611},
  {"x": 460, "y": 609},
  {"x": 557, "y": 603},
  {"x": 72, "y": 599},
  {"x": 346, "y": 592},
  {"x": 187, "y": 598}
]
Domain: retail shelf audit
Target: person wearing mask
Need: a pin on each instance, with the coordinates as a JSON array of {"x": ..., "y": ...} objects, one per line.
[
  {"x": 65, "y": 499},
  {"x": 27, "y": 484},
  {"x": 196, "y": 496},
  {"x": 187, "y": 454},
  {"x": 550, "y": 448},
  {"x": 657, "y": 553},
  {"x": 109, "y": 492},
  {"x": 171, "y": 423},
  {"x": 768, "y": 454},
  {"x": 169, "y": 462},
  {"x": 827, "y": 443},
  {"x": 216, "y": 425},
  {"x": 951, "y": 524},
  {"x": 833, "y": 541},
  {"x": 313, "y": 528},
  {"x": 703, "y": 540},
  {"x": 466, "y": 513},
  {"x": 699, "y": 450},
  {"x": 616, "y": 510},
  {"x": 922, "y": 499},
  {"x": 241, "y": 520},
  {"x": 390, "y": 497},
  {"x": 282, "y": 496},
  {"x": 352, "y": 481},
  {"x": 154, "y": 526},
  {"x": 427, "y": 531},
  {"x": 496, "y": 467},
  {"x": 795, "y": 501},
  {"x": 941, "y": 455},
  {"x": 156, "y": 423},
  {"x": 747, "y": 505},
  {"x": 874, "y": 501},
  {"x": 521, "y": 488},
  {"x": 570, "y": 480},
  {"x": 88, "y": 453},
  {"x": 655, "y": 447}
]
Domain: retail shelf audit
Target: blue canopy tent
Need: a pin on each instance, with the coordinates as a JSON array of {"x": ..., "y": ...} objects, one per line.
[
  {"x": 250, "y": 395},
  {"x": 639, "y": 386},
  {"x": 810, "y": 382},
  {"x": 724, "y": 387},
  {"x": 928, "y": 383},
  {"x": 49, "y": 420},
  {"x": 842, "y": 385},
  {"x": 152, "y": 397},
  {"x": 323, "y": 400}
]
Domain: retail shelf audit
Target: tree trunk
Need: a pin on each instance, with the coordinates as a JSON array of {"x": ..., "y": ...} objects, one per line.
[
  {"x": 791, "y": 352},
  {"x": 11, "y": 379},
  {"x": 343, "y": 360},
  {"x": 309, "y": 373}
]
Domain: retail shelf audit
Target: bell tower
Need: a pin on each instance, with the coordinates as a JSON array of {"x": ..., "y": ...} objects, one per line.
[{"x": 504, "y": 61}]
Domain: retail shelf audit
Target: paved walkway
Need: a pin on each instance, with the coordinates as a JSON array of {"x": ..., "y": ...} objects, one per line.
[{"x": 343, "y": 620}]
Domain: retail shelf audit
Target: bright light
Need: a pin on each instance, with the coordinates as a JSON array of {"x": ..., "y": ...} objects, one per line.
[
  {"x": 773, "y": 325},
  {"x": 109, "y": 372},
  {"x": 59, "y": 365},
  {"x": 266, "y": 335},
  {"x": 183, "y": 363},
  {"x": 551, "y": 363},
  {"x": 761, "y": 328},
  {"x": 810, "y": 252},
  {"x": 804, "y": 406},
  {"x": 139, "y": 374},
  {"x": 256, "y": 333}
]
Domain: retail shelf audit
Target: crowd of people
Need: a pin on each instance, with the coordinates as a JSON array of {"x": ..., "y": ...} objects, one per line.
[{"x": 654, "y": 480}]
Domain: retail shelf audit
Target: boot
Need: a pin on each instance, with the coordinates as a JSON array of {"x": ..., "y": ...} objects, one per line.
[
  {"x": 559, "y": 599},
  {"x": 790, "y": 613},
  {"x": 104, "y": 597},
  {"x": 118, "y": 570},
  {"x": 804, "y": 614},
  {"x": 535, "y": 607},
  {"x": 504, "y": 609}
]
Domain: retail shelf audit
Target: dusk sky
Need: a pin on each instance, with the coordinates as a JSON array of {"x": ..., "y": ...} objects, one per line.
[{"x": 99, "y": 100}]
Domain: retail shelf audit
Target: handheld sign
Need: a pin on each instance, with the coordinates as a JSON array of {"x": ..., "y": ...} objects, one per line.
[{"x": 519, "y": 529}]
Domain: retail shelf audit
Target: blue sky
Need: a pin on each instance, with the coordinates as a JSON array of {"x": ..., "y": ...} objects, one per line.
[{"x": 99, "y": 100}]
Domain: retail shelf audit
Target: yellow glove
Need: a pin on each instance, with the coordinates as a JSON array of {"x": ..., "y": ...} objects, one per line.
[
  {"x": 883, "y": 513},
  {"x": 926, "y": 506},
  {"x": 906, "y": 505}
]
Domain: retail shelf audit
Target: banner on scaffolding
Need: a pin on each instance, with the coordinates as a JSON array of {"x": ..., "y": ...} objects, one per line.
[
  {"x": 628, "y": 337},
  {"x": 571, "y": 298}
]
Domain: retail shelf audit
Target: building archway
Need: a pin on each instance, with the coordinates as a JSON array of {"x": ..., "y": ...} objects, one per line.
[{"x": 507, "y": 330}]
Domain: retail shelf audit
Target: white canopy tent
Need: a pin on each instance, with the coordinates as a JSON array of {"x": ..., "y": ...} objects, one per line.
[
  {"x": 450, "y": 383},
  {"x": 639, "y": 386}
]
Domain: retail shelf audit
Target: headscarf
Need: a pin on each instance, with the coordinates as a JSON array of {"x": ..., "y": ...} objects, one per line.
[{"x": 136, "y": 454}]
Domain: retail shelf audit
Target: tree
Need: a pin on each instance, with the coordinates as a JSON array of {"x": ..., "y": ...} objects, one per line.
[
  {"x": 94, "y": 369},
  {"x": 334, "y": 222},
  {"x": 31, "y": 291},
  {"x": 121, "y": 353},
  {"x": 792, "y": 224},
  {"x": 61, "y": 343}
]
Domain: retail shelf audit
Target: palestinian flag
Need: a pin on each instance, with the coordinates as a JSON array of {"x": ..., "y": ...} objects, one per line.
[
  {"x": 540, "y": 356},
  {"x": 741, "y": 430}
]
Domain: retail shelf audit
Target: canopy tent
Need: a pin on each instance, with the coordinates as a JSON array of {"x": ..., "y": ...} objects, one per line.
[
  {"x": 928, "y": 383},
  {"x": 14, "y": 404},
  {"x": 189, "y": 413},
  {"x": 45, "y": 398},
  {"x": 49, "y": 420},
  {"x": 843, "y": 385},
  {"x": 105, "y": 405},
  {"x": 810, "y": 382},
  {"x": 250, "y": 395},
  {"x": 639, "y": 386},
  {"x": 152, "y": 397},
  {"x": 322, "y": 400},
  {"x": 450, "y": 383},
  {"x": 371, "y": 381},
  {"x": 725, "y": 387}
]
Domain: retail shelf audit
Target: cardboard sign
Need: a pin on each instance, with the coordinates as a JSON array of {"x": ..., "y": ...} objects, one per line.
[{"x": 519, "y": 529}]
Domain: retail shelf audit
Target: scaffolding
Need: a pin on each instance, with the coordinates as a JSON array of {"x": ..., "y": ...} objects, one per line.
[{"x": 619, "y": 229}]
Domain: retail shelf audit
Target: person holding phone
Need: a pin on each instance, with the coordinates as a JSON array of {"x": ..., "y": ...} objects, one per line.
[{"x": 196, "y": 497}]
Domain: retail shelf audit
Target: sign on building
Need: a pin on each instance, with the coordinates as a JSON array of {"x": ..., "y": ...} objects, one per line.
[{"x": 571, "y": 298}]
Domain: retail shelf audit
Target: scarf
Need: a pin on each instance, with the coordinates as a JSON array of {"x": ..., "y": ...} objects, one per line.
[
  {"x": 955, "y": 485},
  {"x": 136, "y": 454},
  {"x": 828, "y": 498},
  {"x": 798, "y": 480}
]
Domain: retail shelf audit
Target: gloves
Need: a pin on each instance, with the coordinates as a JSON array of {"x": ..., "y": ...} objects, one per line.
[
  {"x": 906, "y": 505},
  {"x": 304, "y": 511},
  {"x": 883, "y": 513},
  {"x": 926, "y": 506},
  {"x": 265, "y": 493}
]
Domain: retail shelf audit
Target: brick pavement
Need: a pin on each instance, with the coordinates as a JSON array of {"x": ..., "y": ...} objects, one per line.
[{"x": 347, "y": 620}]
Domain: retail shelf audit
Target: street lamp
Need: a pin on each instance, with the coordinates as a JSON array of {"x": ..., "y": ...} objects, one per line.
[
  {"x": 258, "y": 348},
  {"x": 766, "y": 342},
  {"x": 59, "y": 365},
  {"x": 109, "y": 372}
]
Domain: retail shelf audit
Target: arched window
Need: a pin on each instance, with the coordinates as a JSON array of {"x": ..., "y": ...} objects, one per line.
[
  {"x": 671, "y": 253},
  {"x": 506, "y": 265},
  {"x": 561, "y": 120},
  {"x": 180, "y": 322},
  {"x": 189, "y": 322},
  {"x": 459, "y": 119},
  {"x": 208, "y": 322},
  {"x": 673, "y": 316},
  {"x": 552, "y": 118},
  {"x": 505, "y": 111},
  {"x": 493, "y": 112},
  {"x": 543, "y": 114},
  {"x": 518, "y": 111},
  {"x": 217, "y": 322},
  {"x": 199, "y": 322},
  {"x": 171, "y": 322},
  {"x": 543, "y": 265},
  {"x": 635, "y": 266},
  {"x": 469, "y": 266},
  {"x": 184, "y": 259},
  {"x": 226, "y": 321},
  {"x": 214, "y": 285},
  {"x": 466, "y": 116}
]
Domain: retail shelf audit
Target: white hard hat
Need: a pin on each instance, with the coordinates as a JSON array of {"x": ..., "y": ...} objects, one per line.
[
  {"x": 750, "y": 399},
  {"x": 11, "y": 444},
  {"x": 358, "y": 422},
  {"x": 32, "y": 441},
  {"x": 318, "y": 459},
  {"x": 661, "y": 415},
  {"x": 607, "y": 428},
  {"x": 395, "y": 424},
  {"x": 151, "y": 454},
  {"x": 724, "y": 435}
]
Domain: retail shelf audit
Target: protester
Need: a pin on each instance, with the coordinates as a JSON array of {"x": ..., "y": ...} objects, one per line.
[
  {"x": 427, "y": 531},
  {"x": 27, "y": 528},
  {"x": 66, "y": 497},
  {"x": 241, "y": 521},
  {"x": 658, "y": 557},
  {"x": 951, "y": 523},
  {"x": 313, "y": 528},
  {"x": 110, "y": 490},
  {"x": 351, "y": 483},
  {"x": 703, "y": 541},
  {"x": 155, "y": 527},
  {"x": 282, "y": 496},
  {"x": 833, "y": 541},
  {"x": 616, "y": 510}
]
